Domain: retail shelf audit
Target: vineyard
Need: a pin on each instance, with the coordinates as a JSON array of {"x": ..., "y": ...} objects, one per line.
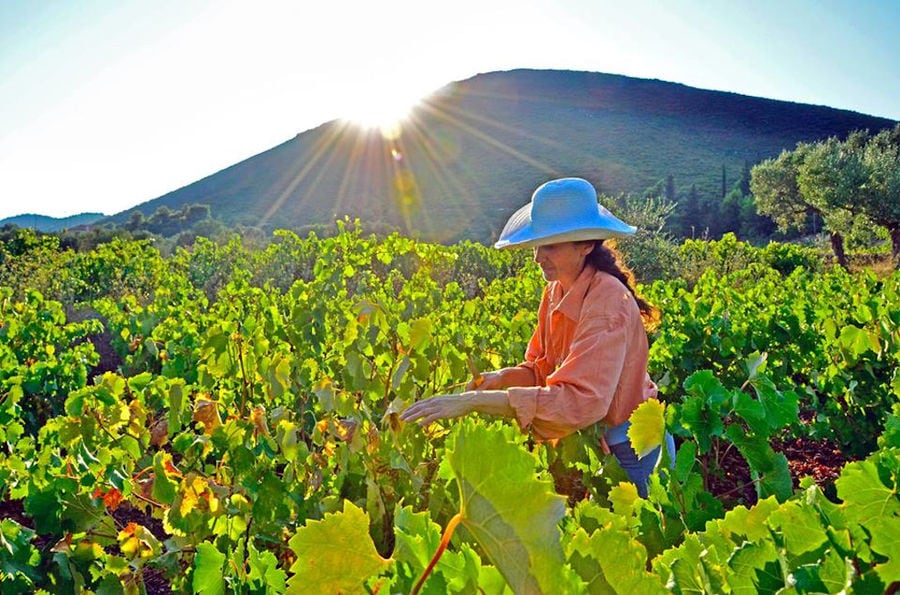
[{"x": 224, "y": 419}]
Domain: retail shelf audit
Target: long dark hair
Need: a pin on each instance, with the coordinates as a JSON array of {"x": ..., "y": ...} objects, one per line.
[{"x": 605, "y": 257}]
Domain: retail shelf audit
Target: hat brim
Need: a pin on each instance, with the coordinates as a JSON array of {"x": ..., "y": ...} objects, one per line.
[{"x": 520, "y": 232}]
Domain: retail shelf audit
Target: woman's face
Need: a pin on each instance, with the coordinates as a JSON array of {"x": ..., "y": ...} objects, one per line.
[{"x": 562, "y": 262}]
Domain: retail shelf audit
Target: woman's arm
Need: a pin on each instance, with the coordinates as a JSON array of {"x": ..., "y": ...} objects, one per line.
[
  {"x": 504, "y": 378},
  {"x": 490, "y": 398},
  {"x": 491, "y": 402}
]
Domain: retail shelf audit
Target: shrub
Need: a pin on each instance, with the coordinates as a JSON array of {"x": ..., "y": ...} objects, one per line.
[{"x": 785, "y": 258}]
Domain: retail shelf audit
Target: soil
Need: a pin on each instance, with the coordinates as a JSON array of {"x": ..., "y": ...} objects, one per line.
[{"x": 821, "y": 460}]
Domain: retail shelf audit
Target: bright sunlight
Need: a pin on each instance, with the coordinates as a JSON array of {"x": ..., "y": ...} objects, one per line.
[{"x": 384, "y": 106}]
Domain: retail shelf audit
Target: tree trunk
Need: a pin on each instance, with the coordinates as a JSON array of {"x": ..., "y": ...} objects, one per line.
[
  {"x": 895, "y": 246},
  {"x": 837, "y": 245}
]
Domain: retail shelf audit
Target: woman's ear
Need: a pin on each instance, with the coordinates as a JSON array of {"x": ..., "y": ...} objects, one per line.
[{"x": 587, "y": 247}]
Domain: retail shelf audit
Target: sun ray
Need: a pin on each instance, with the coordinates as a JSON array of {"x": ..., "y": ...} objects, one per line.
[
  {"x": 437, "y": 168},
  {"x": 319, "y": 151},
  {"x": 502, "y": 146},
  {"x": 394, "y": 176}
]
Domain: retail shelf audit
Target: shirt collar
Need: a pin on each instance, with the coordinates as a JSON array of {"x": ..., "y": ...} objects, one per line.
[{"x": 570, "y": 303}]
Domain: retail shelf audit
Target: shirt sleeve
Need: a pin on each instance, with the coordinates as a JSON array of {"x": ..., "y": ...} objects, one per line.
[{"x": 579, "y": 392}]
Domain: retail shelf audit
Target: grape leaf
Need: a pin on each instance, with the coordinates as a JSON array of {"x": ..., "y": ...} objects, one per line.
[
  {"x": 419, "y": 333},
  {"x": 886, "y": 541},
  {"x": 647, "y": 427},
  {"x": 865, "y": 496},
  {"x": 136, "y": 541},
  {"x": 756, "y": 364},
  {"x": 704, "y": 384},
  {"x": 781, "y": 409},
  {"x": 694, "y": 567},
  {"x": 18, "y": 557},
  {"x": 208, "y": 566},
  {"x": 511, "y": 513},
  {"x": 280, "y": 375},
  {"x": 890, "y": 438},
  {"x": 751, "y": 564},
  {"x": 750, "y": 522},
  {"x": 800, "y": 526},
  {"x": 336, "y": 554},
  {"x": 771, "y": 467},
  {"x": 264, "y": 569},
  {"x": 776, "y": 480},
  {"x": 417, "y": 537},
  {"x": 752, "y": 411},
  {"x": 857, "y": 341},
  {"x": 625, "y": 572},
  {"x": 831, "y": 574}
]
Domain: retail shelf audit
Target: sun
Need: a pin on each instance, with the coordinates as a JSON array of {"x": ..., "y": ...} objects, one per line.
[
  {"x": 384, "y": 115},
  {"x": 385, "y": 108}
]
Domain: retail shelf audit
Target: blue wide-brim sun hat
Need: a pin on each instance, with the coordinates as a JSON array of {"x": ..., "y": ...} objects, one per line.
[{"x": 563, "y": 210}]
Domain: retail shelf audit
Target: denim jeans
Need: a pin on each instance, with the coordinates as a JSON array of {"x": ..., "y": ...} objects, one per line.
[{"x": 639, "y": 469}]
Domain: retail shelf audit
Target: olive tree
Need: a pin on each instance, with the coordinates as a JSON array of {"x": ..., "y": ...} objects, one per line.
[
  {"x": 880, "y": 197},
  {"x": 860, "y": 175},
  {"x": 850, "y": 183},
  {"x": 775, "y": 185}
]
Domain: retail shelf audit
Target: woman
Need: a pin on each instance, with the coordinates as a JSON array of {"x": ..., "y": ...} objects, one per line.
[{"x": 587, "y": 360}]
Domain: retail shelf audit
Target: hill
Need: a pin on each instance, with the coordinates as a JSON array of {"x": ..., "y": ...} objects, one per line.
[
  {"x": 473, "y": 151},
  {"x": 51, "y": 224}
]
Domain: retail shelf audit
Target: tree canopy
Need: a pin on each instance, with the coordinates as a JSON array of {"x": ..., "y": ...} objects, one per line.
[{"x": 850, "y": 182}]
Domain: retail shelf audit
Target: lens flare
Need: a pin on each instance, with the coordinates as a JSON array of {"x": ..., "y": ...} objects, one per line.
[{"x": 384, "y": 107}]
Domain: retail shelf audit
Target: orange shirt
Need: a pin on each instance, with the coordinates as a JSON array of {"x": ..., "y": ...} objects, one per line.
[{"x": 588, "y": 355}]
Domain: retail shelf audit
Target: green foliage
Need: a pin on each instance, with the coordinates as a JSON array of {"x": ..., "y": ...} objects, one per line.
[
  {"x": 249, "y": 426},
  {"x": 786, "y": 258},
  {"x": 720, "y": 257},
  {"x": 44, "y": 359},
  {"x": 597, "y": 533},
  {"x": 335, "y": 554},
  {"x": 852, "y": 184},
  {"x": 714, "y": 417},
  {"x": 19, "y": 558},
  {"x": 829, "y": 336},
  {"x": 166, "y": 222},
  {"x": 511, "y": 516}
]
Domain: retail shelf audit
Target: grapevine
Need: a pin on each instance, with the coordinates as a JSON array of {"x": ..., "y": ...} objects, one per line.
[{"x": 242, "y": 432}]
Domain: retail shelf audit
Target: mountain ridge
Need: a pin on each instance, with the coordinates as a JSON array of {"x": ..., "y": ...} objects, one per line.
[
  {"x": 46, "y": 223},
  {"x": 474, "y": 150}
]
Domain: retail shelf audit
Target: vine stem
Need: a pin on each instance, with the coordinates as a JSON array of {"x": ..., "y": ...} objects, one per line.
[
  {"x": 245, "y": 389},
  {"x": 445, "y": 539}
]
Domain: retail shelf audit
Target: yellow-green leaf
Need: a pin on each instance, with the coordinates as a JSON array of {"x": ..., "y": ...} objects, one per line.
[
  {"x": 335, "y": 554},
  {"x": 512, "y": 514},
  {"x": 648, "y": 427},
  {"x": 208, "y": 570},
  {"x": 625, "y": 572},
  {"x": 419, "y": 333},
  {"x": 136, "y": 541}
]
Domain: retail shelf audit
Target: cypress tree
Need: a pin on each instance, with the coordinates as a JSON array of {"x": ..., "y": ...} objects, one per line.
[
  {"x": 670, "y": 188},
  {"x": 724, "y": 187}
]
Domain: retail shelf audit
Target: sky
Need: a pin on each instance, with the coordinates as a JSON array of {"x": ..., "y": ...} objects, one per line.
[{"x": 106, "y": 104}]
